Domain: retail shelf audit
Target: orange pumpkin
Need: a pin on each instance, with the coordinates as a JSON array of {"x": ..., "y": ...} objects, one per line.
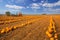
[
  {"x": 52, "y": 38},
  {"x": 3, "y": 30},
  {"x": 48, "y": 34}
]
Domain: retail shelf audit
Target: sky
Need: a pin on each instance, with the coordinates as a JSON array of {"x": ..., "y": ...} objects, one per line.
[{"x": 30, "y": 6}]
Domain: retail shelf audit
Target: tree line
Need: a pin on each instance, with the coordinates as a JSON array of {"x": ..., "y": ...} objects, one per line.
[{"x": 7, "y": 13}]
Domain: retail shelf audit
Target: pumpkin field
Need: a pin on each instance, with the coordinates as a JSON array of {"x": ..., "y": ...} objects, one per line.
[{"x": 30, "y": 27}]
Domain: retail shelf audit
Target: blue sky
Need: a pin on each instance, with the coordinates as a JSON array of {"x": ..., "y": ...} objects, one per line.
[{"x": 30, "y": 6}]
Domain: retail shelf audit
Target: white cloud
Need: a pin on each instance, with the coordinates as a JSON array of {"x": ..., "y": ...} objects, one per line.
[
  {"x": 55, "y": 10},
  {"x": 58, "y": 3},
  {"x": 48, "y": 5},
  {"x": 51, "y": 10},
  {"x": 14, "y": 6},
  {"x": 51, "y": 4},
  {"x": 35, "y": 6},
  {"x": 27, "y": 7}
]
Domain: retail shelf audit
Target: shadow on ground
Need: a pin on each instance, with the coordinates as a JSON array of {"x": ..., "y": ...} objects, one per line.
[{"x": 58, "y": 36}]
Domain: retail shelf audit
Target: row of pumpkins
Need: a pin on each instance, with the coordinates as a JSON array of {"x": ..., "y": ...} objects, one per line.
[{"x": 51, "y": 31}]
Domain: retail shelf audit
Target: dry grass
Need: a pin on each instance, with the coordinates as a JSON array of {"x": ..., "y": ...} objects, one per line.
[{"x": 26, "y": 27}]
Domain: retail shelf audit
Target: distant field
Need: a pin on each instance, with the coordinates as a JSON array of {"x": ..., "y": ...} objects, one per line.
[{"x": 32, "y": 27}]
